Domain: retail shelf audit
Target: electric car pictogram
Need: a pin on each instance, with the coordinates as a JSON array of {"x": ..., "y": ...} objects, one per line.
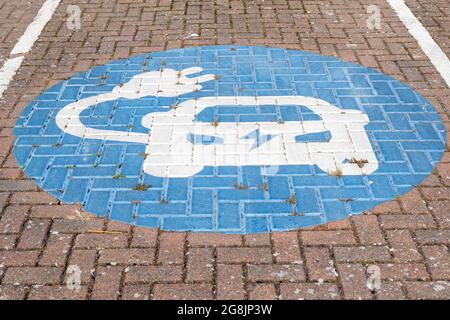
[{"x": 179, "y": 146}]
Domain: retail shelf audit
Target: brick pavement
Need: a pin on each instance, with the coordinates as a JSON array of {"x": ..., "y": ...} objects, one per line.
[
  {"x": 407, "y": 238},
  {"x": 14, "y": 19}
]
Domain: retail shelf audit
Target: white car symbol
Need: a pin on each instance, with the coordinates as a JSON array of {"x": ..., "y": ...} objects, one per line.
[{"x": 179, "y": 146}]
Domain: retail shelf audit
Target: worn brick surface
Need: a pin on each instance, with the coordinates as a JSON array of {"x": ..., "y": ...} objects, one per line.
[
  {"x": 275, "y": 272},
  {"x": 262, "y": 291},
  {"x": 402, "y": 246},
  {"x": 309, "y": 291},
  {"x": 391, "y": 290},
  {"x": 11, "y": 258},
  {"x": 57, "y": 293},
  {"x": 151, "y": 274},
  {"x": 428, "y": 290},
  {"x": 407, "y": 238},
  {"x": 182, "y": 292},
  {"x": 319, "y": 263},
  {"x": 11, "y": 292},
  {"x": 136, "y": 292},
  {"x": 354, "y": 281},
  {"x": 362, "y": 254},
  {"x": 230, "y": 282},
  {"x": 286, "y": 247},
  {"x": 56, "y": 250},
  {"x": 32, "y": 275},
  {"x": 200, "y": 265},
  {"x": 107, "y": 283},
  {"x": 127, "y": 256}
]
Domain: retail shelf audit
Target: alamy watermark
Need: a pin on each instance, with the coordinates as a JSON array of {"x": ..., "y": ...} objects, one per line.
[
  {"x": 73, "y": 281},
  {"x": 374, "y": 279},
  {"x": 373, "y": 22},
  {"x": 74, "y": 17}
]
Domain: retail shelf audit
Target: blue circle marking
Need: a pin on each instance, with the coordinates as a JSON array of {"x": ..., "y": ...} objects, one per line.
[{"x": 233, "y": 139}]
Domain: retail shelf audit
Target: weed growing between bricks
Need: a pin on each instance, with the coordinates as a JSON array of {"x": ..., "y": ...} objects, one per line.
[{"x": 406, "y": 238}]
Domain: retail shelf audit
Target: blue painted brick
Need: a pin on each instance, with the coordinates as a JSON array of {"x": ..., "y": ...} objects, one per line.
[
  {"x": 54, "y": 151},
  {"x": 226, "y": 170},
  {"x": 422, "y": 145},
  {"x": 337, "y": 74},
  {"x": 37, "y": 168},
  {"x": 394, "y": 167},
  {"x": 362, "y": 205},
  {"x": 279, "y": 188},
  {"x": 132, "y": 165},
  {"x": 256, "y": 224},
  {"x": 251, "y": 176},
  {"x": 237, "y": 194},
  {"x": 122, "y": 212},
  {"x": 98, "y": 201},
  {"x": 327, "y": 95},
  {"x": 406, "y": 95},
  {"x": 38, "y": 117},
  {"x": 359, "y": 81},
  {"x": 186, "y": 223},
  {"x": 229, "y": 216},
  {"x": 37, "y": 140},
  {"x": 219, "y": 182},
  {"x": 266, "y": 207},
  {"x": 399, "y": 121},
  {"x": 75, "y": 190},
  {"x": 142, "y": 196},
  {"x": 91, "y": 171},
  {"x": 111, "y": 154},
  {"x": 307, "y": 200},
  {"x": 419, "y": 161},
  {"x": 280, "y": 222},
  {"x": 70, "y": 93},
  {"x": 263, "y": 75},
  {"x": 178, "y": 189},
  {"x": 402, "y": 108},
  {"x": 308, "y": 180},
  {"x": 115, "y": 183},
  {"x": 202, "y": 202},
  {"x": 426, "y": 131},
  {"x": 335, "y": 210},
  {"x": 394, "y": 135},
  {"x": 391, "y": 151},
  {"x": 21, "y": 153},
  {"x": 153, "y": 182},
  {"x": 382, "y": 88},
  {"x": 148, "y": 221},
  {"x": 352, "y": 180},
  {"x": 54, "y": 178},
  {"x": 316, "y": 67},
  {"x": 405, "y": 180},
  {"x": 163, "y": 209},
  {"x": 381, "y": 187}
]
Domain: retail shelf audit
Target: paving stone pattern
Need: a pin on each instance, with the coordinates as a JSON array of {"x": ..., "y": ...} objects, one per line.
[{"x": 407, "y": 238}]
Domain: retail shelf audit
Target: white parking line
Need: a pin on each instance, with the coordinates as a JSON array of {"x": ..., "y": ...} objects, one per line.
[
  {"x": 25, "y": 43},
  {"x": 437, "y": 57}
]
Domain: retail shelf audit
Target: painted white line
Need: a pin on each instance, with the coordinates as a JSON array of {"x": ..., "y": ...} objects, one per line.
[
  {"x": 25, "y": 43},
  {"x": 9, "y": 68},
  {"x": 437, "y": 57},
  {"x": 35, "y": 28}
]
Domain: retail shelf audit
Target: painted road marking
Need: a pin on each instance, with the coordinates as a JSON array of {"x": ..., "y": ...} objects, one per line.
[
  {"x": 248, "y": 139},
  {"x": 183, "y": 158},
  {"x": 25, "y": 43},
  {"x": 432, "y": 50}
]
